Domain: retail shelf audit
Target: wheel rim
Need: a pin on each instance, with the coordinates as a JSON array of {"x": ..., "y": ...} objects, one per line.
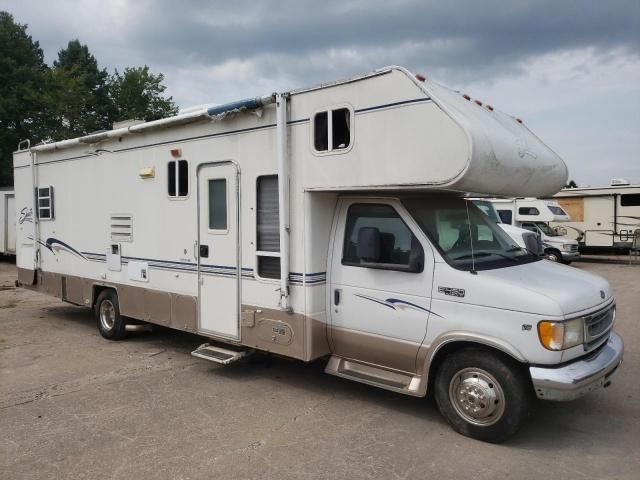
[
  {"x": 107, "y": 315},
  {"x": 476, "y": 396},
  {"x": 551, "y": 256}
]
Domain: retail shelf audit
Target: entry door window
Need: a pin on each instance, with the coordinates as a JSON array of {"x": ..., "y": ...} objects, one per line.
[{"x": 218, "y": 204}]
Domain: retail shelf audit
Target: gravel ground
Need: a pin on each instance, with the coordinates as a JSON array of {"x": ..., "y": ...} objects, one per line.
[{"x": 73, "y": 405}]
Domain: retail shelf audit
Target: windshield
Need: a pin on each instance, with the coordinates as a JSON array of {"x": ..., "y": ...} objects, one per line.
[
  {"x": 488, "y": 209},
  {"x": 546, "y": 229},
  {"x": 464, "y": 235}
]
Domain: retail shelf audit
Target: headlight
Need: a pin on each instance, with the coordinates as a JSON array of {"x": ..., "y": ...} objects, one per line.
[
  {"x": 561, "y": 335},
  {"x": 567, "y": 247}
]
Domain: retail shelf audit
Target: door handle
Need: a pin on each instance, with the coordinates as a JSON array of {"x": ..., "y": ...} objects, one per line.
[
  {"x": 204, "y": 251},
  {"x": 336, "y": 297}
]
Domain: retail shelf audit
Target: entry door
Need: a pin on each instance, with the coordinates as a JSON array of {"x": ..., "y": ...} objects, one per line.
[
  {"x": 599, "y": 221},
  {"x": 379, "y": 307},
  {"x": 218, "y": 250}
]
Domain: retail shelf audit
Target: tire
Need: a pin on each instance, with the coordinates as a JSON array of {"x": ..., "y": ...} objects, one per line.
[
  {"x": 483, "y": 394},
  {"x": 566, "y": 262},
  {"x": 553, "y": 256},
  {"x": 110, "y": 323}
]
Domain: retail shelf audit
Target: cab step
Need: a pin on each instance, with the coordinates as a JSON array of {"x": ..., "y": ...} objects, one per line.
[
  {"x": 221, "y": 355},
  {"x": 374, "y": 376}
]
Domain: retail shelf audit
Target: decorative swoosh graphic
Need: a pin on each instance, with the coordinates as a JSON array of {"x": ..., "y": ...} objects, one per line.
[
  {"x": 397, "y": 304},
  {"x": 54, "y": 245}
]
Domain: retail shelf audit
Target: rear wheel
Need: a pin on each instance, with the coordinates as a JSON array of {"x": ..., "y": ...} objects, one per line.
[
  {"x": 483, "y": 394},
  {"x": 110, "y": 323}
]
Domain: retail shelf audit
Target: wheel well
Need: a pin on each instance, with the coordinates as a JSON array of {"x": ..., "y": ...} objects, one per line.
[
  {"x": 97, "y": 290},
  {"x": 453, "y": 347}
]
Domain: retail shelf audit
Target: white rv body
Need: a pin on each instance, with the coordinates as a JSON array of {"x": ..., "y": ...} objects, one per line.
[
  {"x": 535, "y": 215},
  {"x": 601, "y": 217},
  {"x": 7, "y": 221},
  {"x": 251, "y": 224}
]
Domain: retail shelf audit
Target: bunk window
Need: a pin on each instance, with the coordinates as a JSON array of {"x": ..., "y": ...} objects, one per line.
[
  {"x": 268, "y": 227},
  {"x": 528, "y": 211},
  {"x": 178, "y": 178},
  {"x": 44, "y": 202},
  {"x": 332, "y": 130},
  {"x": 218, "y": 204},
  {"x": 630, "y": 200}
]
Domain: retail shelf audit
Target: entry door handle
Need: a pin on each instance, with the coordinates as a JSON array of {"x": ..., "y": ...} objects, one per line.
[
  {"x": 336, "y": 297},
  {"x": 204, "y": 251}
]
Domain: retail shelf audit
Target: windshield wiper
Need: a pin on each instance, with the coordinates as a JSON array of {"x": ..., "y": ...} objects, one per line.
[{"x": 485, "y": 254}]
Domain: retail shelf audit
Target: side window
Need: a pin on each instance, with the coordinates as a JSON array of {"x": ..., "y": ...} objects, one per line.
[
  {"x": 528, "y": 211},
  {"x": 332, "y": 130},
  {"x": 44, "y": 203},
  {"x": 178, "y": 178},
  {"x": 530, "y": 226},
  {"x": 505, "y": 216},
  {"x": 377, "y": 237},
  {"x": 630, "y": 200},
  {"x": 218, "y": 204},
  {"x": 268, "y": 227}
]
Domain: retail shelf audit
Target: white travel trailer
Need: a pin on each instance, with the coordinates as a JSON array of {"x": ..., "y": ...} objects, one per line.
[
  {"x": 535, "y": 215},
  {"x": 601, "y": 217},
  {"x": 327, "y": 222},
  {"x": 7, "y": 221}
]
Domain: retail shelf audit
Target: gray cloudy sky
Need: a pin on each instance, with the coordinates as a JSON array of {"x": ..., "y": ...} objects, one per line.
[{"x": 570, "y": 69}]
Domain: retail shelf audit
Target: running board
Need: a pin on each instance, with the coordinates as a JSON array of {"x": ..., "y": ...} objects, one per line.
[
  {"x": 374, "y": 376},
  {"x": 223, "y": 356}
]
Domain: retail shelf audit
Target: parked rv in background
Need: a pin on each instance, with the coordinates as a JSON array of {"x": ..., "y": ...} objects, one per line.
[
  {"x": 535, "y": 215},
  {"x": 601, "y": 217},
  {"x": 522, "y": 237},
  {"x": 7, "y": 222}
]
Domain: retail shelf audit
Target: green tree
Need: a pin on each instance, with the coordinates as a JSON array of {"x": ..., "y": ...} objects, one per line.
[
  {"x": 79, "y": 93},
  {"x": 138, "y": 94},
  {"x": 23, "y": 83}
]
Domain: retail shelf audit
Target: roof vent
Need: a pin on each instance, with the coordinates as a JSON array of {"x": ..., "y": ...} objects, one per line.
[{"x": 616, "y": 182}]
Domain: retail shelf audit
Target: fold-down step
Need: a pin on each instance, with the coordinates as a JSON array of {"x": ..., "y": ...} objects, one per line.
[{"x": 223, "y": 356}]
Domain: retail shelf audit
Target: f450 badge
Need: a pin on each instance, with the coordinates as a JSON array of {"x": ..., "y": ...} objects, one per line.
[{"x": 453, "y": 292}]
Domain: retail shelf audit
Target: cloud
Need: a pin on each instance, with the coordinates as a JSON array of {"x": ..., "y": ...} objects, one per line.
[{"x": 563, "y": 66}]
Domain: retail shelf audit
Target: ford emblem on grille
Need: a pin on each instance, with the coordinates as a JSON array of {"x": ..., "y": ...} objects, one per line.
[{"x": 602, "y": 294}]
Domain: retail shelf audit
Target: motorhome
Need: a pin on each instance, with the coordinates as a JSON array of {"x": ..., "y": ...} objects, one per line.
[
  {"x": 7, "y": 221},
  {"x": 536, "y": 215},
  {"x": 327, "y": 222},
  {"x": 601, "y": 217}
]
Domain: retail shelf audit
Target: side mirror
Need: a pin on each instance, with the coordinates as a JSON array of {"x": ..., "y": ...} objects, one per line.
[{"x": 368, "y": 248}]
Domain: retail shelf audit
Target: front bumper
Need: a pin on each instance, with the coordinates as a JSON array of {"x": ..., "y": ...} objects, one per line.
[
  {"x": 569, "y": 255},
  {"x": 580, "y": 377}
]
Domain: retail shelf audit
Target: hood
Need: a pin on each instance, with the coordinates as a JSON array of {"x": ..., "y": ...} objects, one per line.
[
  {"x": 573, "y": 290},
  {"x": 541, "y": 288}
]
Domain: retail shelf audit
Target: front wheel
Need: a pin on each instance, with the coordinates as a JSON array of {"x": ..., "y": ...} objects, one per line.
[
  {"x": 483, "y": 394},
  {"x": 553, "y": 255}
]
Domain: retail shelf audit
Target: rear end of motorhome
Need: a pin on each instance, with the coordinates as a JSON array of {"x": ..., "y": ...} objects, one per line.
[
  {"x": 327, "y": 222},
  {"x": 602, "y": 218}
]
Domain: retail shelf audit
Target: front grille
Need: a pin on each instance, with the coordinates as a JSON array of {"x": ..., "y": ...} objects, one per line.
[
  {"x": 573, "y": 248},
  {"x": 597, "y": 326}
]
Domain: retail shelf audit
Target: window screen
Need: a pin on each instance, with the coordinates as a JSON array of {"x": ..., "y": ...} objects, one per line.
[
  {"x": 44, "y": 203},
  {"x": 268, "y": 227},
  {"x": 178, "y": 178},
  {"x": 630, "y": 200},
  {"x": 218, "y": 204},
  {"x": 321, "y": 131},
  {"x": 395, "y": 243}
]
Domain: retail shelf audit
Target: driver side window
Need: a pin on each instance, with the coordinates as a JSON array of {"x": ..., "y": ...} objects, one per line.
[
  {"x": 530, "y": 226},
  {"x": 377, "y": 237}
]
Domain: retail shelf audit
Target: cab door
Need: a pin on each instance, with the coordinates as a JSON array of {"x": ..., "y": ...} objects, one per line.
[
  {"x": 218, "y": 250},
  {"x": 380, "y": 284}
]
